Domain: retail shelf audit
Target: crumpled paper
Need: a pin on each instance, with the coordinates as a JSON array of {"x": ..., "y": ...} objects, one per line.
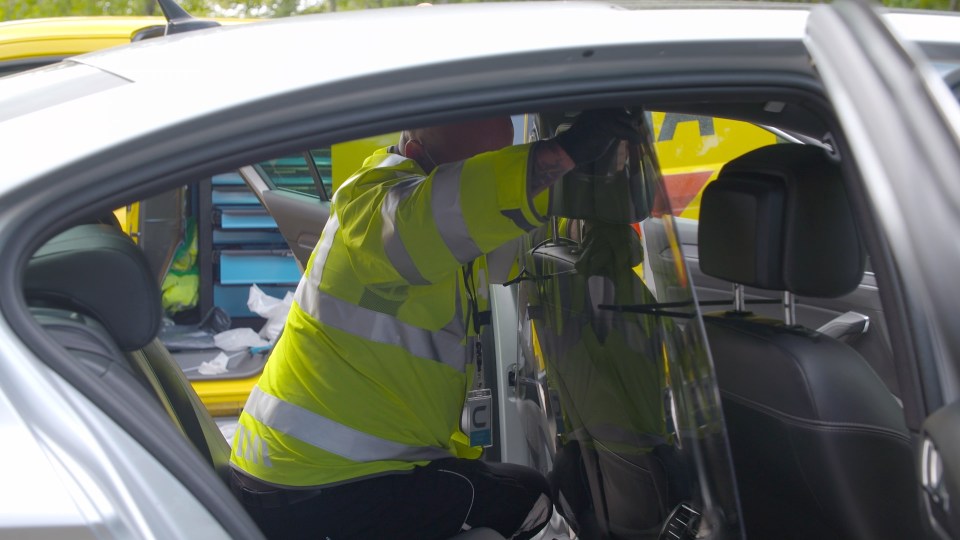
[
  {"x": 214, "y": 367},
  {"x": 274, "y": 310}
]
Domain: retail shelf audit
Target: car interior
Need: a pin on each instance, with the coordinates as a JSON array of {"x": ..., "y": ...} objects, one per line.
[{"x": 627, "y": 403}]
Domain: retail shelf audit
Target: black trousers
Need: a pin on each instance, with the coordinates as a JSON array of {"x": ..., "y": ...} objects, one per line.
[{"x": 436, "y": 501}]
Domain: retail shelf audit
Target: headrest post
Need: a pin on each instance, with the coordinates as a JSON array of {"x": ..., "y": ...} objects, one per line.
[
  {"x": 789, "y": 308},
  {"x": 555, "y": 229},
  {"x": 739, "y": 301}
]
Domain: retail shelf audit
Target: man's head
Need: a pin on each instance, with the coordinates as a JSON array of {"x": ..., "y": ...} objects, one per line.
[{"x": 436, "y": 145}]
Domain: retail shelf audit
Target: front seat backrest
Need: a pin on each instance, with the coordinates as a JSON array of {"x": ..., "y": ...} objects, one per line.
[{"x": 820, "y": 446}]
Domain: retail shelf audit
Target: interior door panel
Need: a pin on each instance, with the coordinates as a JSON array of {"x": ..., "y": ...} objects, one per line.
[
  {"x": 299, "y": 216},
  {"x": 300, "y": 219}
]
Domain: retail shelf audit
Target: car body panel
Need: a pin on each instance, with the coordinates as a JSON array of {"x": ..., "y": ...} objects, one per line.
[
  {"x": 227, "y": 58},
  {"x": 256, "y": 104},
  {"x": 78, "y": 473}
]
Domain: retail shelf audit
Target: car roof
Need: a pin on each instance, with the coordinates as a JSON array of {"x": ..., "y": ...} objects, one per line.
[
  {"x": 196, "y": 73},
  {"x": 378, "y": 39},
  {"x": 189, "y": 75}
]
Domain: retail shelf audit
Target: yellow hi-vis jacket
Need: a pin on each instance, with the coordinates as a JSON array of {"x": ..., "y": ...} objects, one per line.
[{"x": 372, "y": 368}]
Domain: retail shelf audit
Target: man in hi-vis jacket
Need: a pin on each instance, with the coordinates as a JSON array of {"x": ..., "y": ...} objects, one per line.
[{"x": 353, "y": 430}]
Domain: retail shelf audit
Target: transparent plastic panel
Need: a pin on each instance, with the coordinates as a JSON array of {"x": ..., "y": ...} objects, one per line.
[{"x": 617, "y": 390}]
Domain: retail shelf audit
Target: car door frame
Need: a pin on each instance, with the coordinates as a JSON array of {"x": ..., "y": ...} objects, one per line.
[{"x": 907, "y": 156}]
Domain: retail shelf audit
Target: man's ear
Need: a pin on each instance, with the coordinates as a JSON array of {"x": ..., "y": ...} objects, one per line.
[{"x": 414, "y": 150}]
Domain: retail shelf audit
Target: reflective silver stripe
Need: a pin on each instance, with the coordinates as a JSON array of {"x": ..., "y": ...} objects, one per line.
[
  {"x": 332, "y": 436},
  {"x": 307, "y": 290},
  {"x": 448, "y": 216},
  {"x": 254, "y": 449},
  {"x": 392, "y": 243},
  {"x": 389, "y": 160},
  {"x": 442, "y": 346}
]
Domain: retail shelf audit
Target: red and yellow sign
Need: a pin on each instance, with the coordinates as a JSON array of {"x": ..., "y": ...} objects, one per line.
[{"x": 692, "y": 149}]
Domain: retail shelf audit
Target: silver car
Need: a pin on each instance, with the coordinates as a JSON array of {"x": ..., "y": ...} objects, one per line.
[{"x": 762, "y": 346}]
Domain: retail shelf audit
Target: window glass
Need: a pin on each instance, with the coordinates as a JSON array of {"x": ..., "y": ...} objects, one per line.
[
  {"x": 692, "y": 149},
  {"x": 321, "y": 158},
  {"x": 292, "y": 173}
]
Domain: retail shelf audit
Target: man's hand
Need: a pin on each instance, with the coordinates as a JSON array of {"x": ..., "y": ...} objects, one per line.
[{"x": 594, "y": 131}]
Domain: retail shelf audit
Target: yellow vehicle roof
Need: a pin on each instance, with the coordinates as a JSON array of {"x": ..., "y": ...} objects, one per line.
[{"x": 67, "y": 36}]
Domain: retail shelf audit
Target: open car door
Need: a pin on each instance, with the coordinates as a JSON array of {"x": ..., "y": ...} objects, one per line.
[{"x": 903, "y": 126}]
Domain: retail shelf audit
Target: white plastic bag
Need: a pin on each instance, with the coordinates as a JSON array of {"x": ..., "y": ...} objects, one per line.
[{"x": 272, "y": 309}]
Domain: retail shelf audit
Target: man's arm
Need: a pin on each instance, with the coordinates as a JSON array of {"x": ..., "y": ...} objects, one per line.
[
  {"x": 550, "y": 163},
  {"x": 590, "y": 136}
]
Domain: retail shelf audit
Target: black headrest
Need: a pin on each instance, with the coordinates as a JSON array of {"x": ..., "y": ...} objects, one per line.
[
  {"x": 98, "y": 271},
  {"x": 778, "y": 218}
]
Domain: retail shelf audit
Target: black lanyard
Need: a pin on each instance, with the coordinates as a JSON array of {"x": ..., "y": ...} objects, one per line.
[{"x": 474, "y": 315}]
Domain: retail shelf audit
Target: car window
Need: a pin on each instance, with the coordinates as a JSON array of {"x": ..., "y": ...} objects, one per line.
[
  {"x": 300, "y": 173},
  {"x": 322, "y": 161},
  {"x": 318, "y": 172},
  {"x": 692, "y": 149}
]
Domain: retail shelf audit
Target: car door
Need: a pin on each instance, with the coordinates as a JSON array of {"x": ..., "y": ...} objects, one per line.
[
  {"x": 295, "y": 190},
  {"x": 903, "y": 126}
]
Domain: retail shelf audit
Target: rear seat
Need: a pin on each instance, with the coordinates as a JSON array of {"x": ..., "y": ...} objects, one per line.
[{"x": 91, "y": 288}]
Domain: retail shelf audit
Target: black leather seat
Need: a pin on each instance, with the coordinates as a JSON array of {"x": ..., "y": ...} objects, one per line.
[
  {"x": 820, "y": 446},
  {"x": 91, "y": 288}
]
